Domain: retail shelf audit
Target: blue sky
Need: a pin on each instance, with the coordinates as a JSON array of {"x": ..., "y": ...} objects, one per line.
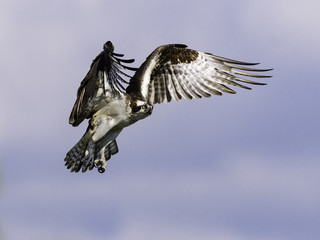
[{"x": 235, "y": 167}]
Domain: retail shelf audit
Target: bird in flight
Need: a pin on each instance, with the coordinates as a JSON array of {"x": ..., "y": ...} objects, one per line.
[{"x": 170, "y": 72}]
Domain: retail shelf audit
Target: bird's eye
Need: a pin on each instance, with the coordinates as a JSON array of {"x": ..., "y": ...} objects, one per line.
[{"x": 143, "y": 107}]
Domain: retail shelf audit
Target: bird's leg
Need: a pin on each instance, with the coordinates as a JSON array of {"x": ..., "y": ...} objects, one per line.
[{"x": 101, "y": 163}]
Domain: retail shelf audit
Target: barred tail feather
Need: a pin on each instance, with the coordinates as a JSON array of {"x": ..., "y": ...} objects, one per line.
[
  {"x": 75, "y": 157},
  {"x": 111, "y": 149},
  {"x": 85, "y": 155}
]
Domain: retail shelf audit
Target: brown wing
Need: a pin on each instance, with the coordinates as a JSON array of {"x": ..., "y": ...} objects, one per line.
[
  {"x": 106, "y": 74},
  {"x": 174, "y": 71}
]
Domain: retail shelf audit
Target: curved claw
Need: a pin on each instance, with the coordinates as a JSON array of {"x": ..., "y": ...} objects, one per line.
[
  {"x": 101, "y": 164},
  {"x": 101, "y": 170}
]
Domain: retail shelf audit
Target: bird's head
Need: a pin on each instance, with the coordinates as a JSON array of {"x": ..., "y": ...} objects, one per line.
[{"x": 141, "y": 109}]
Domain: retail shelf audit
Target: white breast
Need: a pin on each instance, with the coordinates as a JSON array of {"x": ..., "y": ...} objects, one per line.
[{"x": 115, "y": 114}]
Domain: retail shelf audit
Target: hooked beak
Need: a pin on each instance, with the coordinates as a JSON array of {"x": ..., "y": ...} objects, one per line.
[{"x": 149, "y": 110}]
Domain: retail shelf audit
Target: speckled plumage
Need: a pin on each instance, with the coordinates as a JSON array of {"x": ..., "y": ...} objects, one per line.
[{"x": 170, "y": 72}]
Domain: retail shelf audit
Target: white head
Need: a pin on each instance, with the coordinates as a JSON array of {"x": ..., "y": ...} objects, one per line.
[{"x": 140, "y": 110}]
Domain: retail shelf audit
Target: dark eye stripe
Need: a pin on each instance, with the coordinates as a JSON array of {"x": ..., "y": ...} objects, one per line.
[{"x": 136, "y": 109}]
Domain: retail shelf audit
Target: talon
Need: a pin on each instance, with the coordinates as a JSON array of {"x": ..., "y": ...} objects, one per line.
[
  {"x": 97, "y": 163},
  {"x": 101, "y": 169},
  {"x": 101, "y": 165}
]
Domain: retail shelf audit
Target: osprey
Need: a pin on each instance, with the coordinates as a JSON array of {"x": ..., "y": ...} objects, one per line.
[{"x": 170, "y": 72}]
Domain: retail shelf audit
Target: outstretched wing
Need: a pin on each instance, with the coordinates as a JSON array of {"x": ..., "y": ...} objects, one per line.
[
  {"x": 105, "y": 75},
  {"x": 174, "y": 71}
]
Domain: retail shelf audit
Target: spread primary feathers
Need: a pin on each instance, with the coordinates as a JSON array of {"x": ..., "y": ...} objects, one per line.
[{"x": 170, "y": 72}]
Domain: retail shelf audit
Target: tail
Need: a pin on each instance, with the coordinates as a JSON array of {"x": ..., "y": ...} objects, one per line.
[
  {"x": 85, "y": 155},
  {"x": 74, "y": 158}
]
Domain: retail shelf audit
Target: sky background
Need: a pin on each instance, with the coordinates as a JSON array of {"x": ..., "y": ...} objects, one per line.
[{"x": 236, "y": 167}]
